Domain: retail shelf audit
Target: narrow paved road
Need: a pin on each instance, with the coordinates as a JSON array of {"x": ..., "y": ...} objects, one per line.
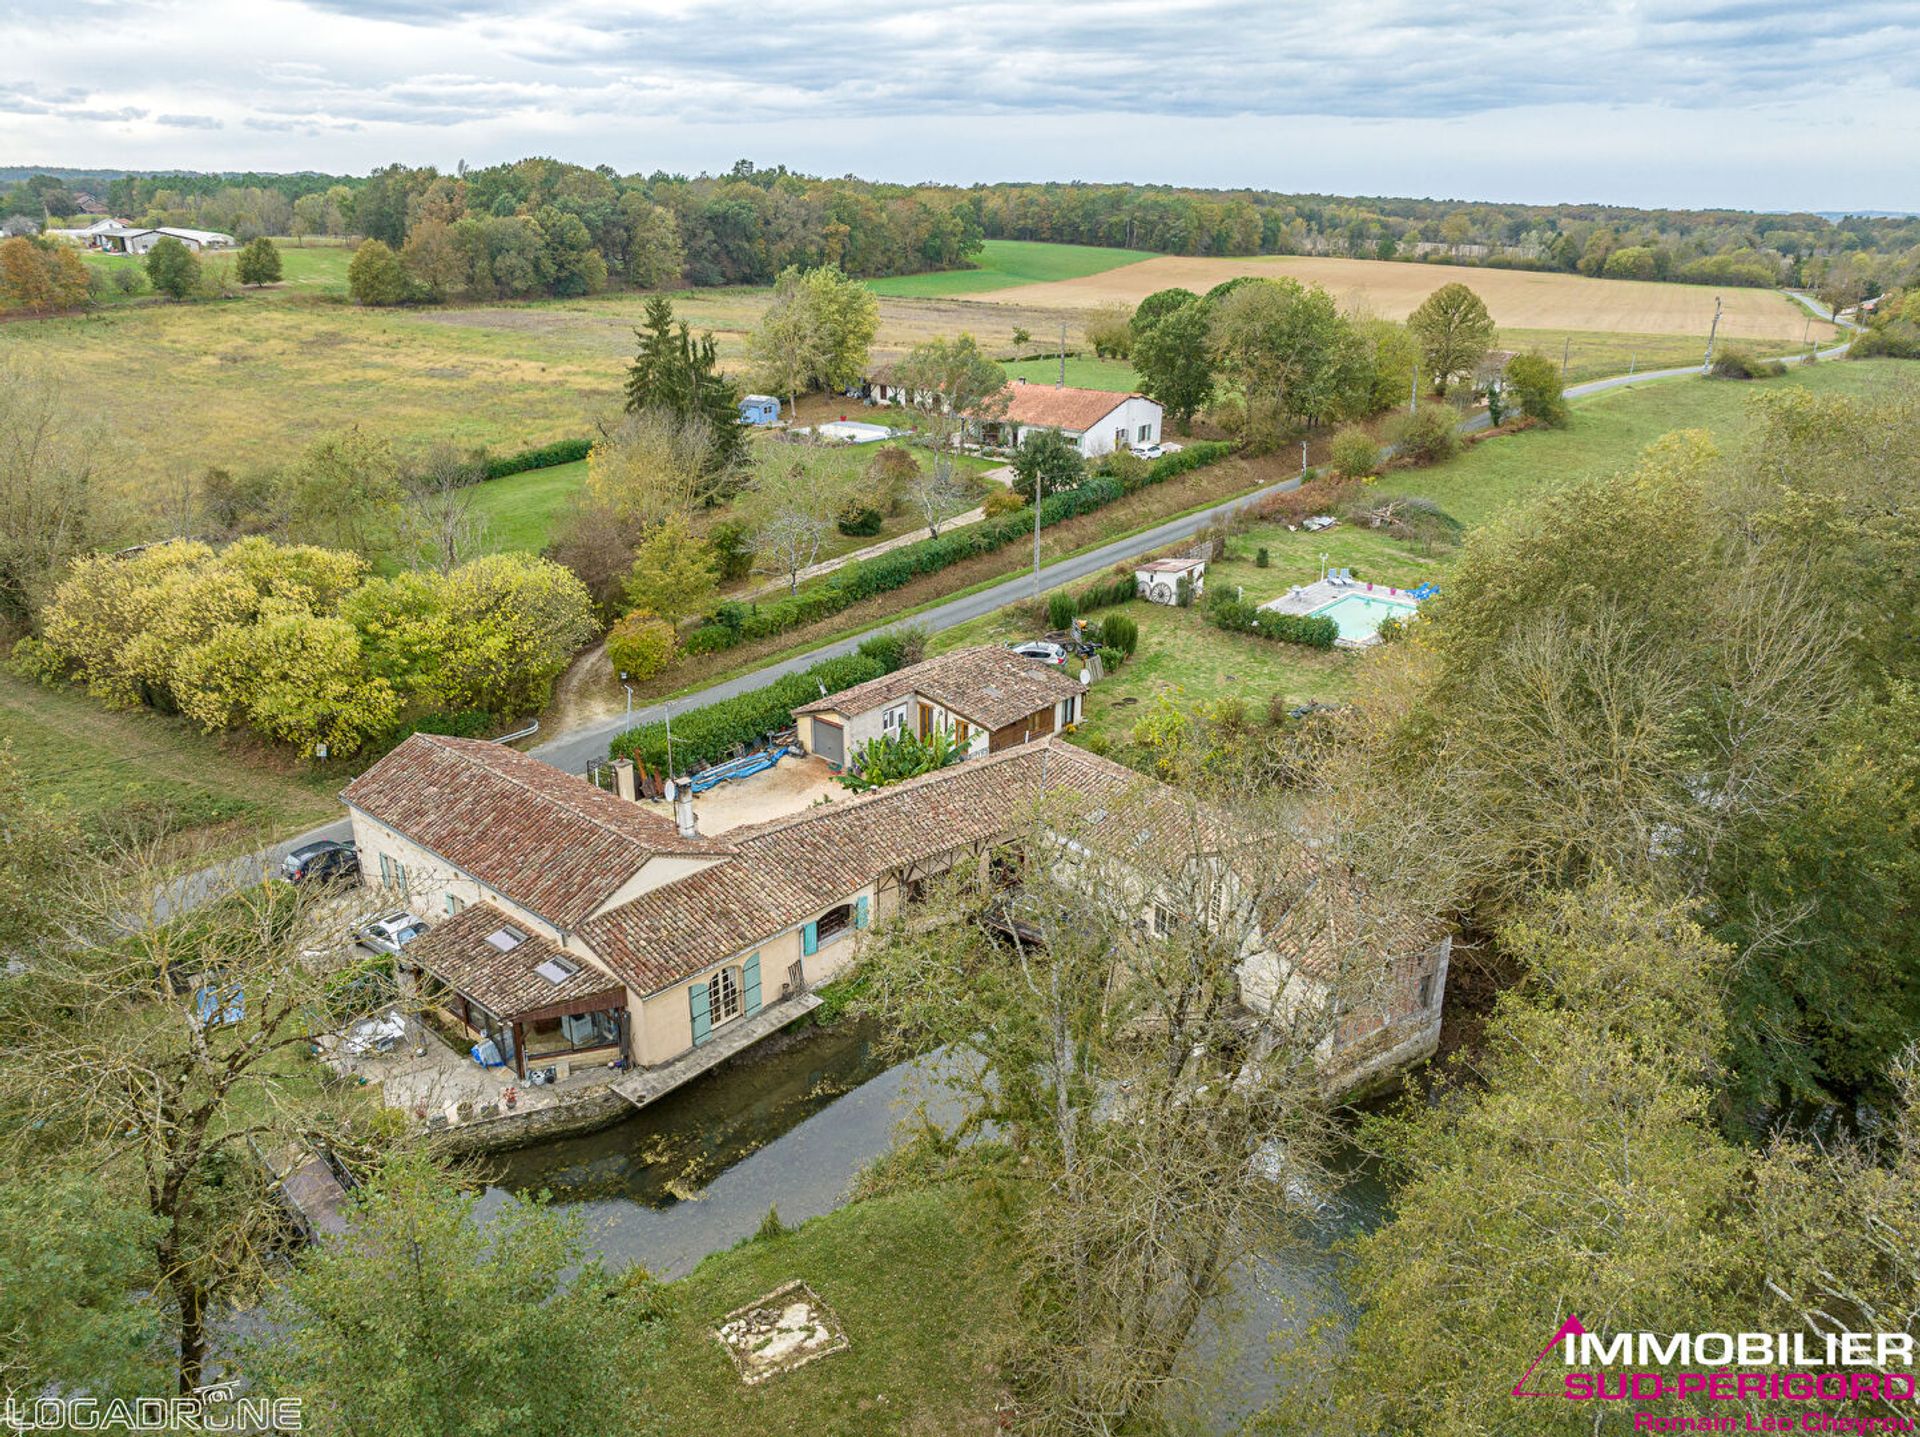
[{"x": 576, "y": 750}]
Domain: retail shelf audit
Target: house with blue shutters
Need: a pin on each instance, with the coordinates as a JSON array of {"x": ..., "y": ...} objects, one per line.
[{"x": 569, "y": 925}]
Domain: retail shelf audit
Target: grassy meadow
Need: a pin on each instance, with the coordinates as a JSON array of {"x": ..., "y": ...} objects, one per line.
[
  {"x": 1183, "y": 656},
  {"x": 122, "y": 773},
  {"x": 1003, "y": 264}
]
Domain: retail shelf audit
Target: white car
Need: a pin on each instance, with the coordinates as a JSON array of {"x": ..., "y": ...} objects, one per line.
[
  {"x": 390, "y": 932},
  {"x": 1045, "y": 650},
  {"x": 1148, "y": 451}
]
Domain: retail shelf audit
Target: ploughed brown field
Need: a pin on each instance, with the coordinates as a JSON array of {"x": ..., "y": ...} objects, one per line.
[{"x": 1517, "y": 299}]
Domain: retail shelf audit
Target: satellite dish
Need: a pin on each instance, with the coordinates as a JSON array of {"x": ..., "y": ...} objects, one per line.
[
  {"x": 673, "y": 790},
  {"x": 1086, "y": 676}
]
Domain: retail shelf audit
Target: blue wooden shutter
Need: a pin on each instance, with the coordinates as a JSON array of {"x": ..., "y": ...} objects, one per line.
[
  {"x": 702, "y": 1021},
  {"x": 810, "y": 938},
  {"x": 860, "y": 911},
  {"x": 750, "y": 983}
]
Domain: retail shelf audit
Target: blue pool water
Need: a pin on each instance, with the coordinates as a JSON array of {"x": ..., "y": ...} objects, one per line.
[{"x": 1359, "y": 616}]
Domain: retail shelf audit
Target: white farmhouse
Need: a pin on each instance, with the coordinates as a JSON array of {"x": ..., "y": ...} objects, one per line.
[{"x": 1098, "y": 421}]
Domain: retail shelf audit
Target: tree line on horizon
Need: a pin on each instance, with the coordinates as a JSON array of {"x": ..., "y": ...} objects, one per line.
[{"x": 745, "y": 226}]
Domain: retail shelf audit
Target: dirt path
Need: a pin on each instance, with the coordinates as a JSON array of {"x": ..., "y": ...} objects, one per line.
[{"x": 585, "y": 694}]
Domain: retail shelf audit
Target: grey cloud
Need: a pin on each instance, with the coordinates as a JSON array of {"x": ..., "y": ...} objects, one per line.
[{"x": 190, "y": 122}]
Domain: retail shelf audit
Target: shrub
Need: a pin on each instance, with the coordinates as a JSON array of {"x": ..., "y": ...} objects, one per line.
[
  {"x": 1239, "y": 616},
  {"x": 1354, "y": 454},
  {"x": 1262, "y": 559},
  {"x": 640, "y": 645},
  {"x": 1111, "y": 658},
  {"x": 1060, "y": 610},
  {"x": 1117, "y": 631},
  {"x": 732, "y": 545},
  {"x": 896, "y": 648},
  {"x": 1001, "y": 502},
  {"x": 545, "y": 456},
  {"x": 456, "y": 723},
  {"x": 376, "y": 276},
  {"x": 858, "y": 519},
  {"x": 1740, "y": 364},
  {"x": 1427, "y": 436},
  {"x": 1533, "y": 381},
  {"x": 1185, "y": 461},
  {"x": 1183, "y": 592},
  {"x": 710, "y": 639},
  {"x": 710, "y": 733},
  {"x": 1127, "y": 467},
  {"x": 1120, "y": 589}
]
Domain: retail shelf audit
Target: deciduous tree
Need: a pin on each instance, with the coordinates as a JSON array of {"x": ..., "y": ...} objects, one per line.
[
  {"x": 1454, "y": 332},
  {"x": 172, "y": 268},
  {"x": 258, "y": 263}
]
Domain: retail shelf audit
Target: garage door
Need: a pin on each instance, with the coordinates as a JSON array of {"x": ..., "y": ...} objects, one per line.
[{"x": 830, "y": 742}]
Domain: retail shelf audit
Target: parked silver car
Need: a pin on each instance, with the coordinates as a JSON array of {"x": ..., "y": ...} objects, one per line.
[
  {"x": 390, "y": 932},
  {"x": 1043, "y": 649}
]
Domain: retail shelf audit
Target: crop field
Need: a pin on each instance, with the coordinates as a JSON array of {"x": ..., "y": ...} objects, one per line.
[
  {"x": 1010, "y": 262},
  {"x": 1516, "y": 298}
]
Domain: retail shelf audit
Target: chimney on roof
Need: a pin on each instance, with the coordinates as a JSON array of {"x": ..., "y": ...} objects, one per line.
[
  {"x": 623, "y": 778},
  {"x": 683, "y": 818}
]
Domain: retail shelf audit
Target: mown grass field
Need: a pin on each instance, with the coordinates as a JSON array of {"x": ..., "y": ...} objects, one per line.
[
  {"x": 522, "y": 510},
  {"x": 116, "y": 772},
  {"x": 1186, "y": 658},
  {"x": 1003, "y": 263},
  {"x": 917, "y": 1361}
]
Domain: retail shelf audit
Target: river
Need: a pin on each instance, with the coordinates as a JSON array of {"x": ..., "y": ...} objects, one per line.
[{"x": 695, "y": 1173}]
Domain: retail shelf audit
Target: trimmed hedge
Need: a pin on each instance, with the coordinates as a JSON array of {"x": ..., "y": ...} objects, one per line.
[
  {"x": 561, "y": 451},
  {"x": 897, "y": 568},
  {"x": 709, "y": 734},
  {"x": 1243, "y": 618}
]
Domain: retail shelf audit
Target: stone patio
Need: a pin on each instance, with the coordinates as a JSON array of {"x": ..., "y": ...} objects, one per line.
[
  {"x": 1305, "y": 598},
  {"x": 425, "y": 1077},
  {"x": 787, "y": 1328}
]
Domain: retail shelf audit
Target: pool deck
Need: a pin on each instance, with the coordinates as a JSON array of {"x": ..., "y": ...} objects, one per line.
[{"x": 1305, "y": 598}]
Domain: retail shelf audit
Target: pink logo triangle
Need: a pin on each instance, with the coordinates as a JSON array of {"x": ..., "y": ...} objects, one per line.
[{"x": 1570, "y": 1328}]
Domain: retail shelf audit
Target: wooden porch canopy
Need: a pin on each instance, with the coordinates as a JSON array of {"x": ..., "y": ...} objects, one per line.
[{"x": 506, "y": 968}]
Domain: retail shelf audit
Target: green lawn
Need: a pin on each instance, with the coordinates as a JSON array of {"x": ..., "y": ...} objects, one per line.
[
  {"x": 116, "y": 771},
  {"x": 521, "y": 509},
  {"x": 1003, "y": 264},
  {"x": 317, "y": 267},
  {"x": 1191, "y": 661},
  {"x": 1083, "y": 372},
  {"x": 921, "y": 1300}
]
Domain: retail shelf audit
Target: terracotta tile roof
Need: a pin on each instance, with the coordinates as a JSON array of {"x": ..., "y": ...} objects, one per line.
[
  {"x": 506, "y": 983},
  {"x": 988, "y": 686},
  {"x": 552, "y": 843},
  {"x": 790, "y": 870},
  {"x": 1051, "y": 406}
]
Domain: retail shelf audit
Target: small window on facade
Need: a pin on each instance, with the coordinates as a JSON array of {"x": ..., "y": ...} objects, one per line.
[
  {"x": 1165, "y": 920},
  {"x": 1146, "y": 433},
  {"x": 455, "y": 903},
  {"x": 834, "y": 920},
  {"x": 723, "y": 995},
  {"x": 1426, "y": 990}
]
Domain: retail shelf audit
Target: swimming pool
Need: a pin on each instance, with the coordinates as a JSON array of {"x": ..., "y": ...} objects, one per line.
[{"x": 1359, "y": 616}]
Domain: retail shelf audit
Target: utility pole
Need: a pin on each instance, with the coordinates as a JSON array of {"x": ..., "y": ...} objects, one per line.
[
  {"x": 1063, "y": 366},
  {"x": 1036, "y": 534},
  {"x": 1413, "y": 389},
  {"x": 1566, "y": 353},
  {"x": 1707, "y": 363},
  {"x": 1303, "y": 458}
]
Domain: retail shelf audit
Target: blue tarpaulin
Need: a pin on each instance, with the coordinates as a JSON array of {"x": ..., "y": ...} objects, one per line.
[{"x": 743, "y": 767}]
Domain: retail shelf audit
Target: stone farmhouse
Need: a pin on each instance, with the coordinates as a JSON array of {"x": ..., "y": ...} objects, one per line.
[
  {"x": 571, "y": 925},
  {"x": 985, "y": 698}
]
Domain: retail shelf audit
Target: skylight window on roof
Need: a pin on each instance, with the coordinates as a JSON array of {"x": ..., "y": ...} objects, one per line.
[
  {"x": 506, "y": 938},
  {"x": 557, "y": 969}
]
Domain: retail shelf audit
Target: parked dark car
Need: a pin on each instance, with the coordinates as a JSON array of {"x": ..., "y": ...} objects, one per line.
[{"x": 328, "y": 861}]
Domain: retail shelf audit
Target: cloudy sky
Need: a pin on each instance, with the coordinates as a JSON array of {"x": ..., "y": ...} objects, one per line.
[{"x": 1810, "y": 104}]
